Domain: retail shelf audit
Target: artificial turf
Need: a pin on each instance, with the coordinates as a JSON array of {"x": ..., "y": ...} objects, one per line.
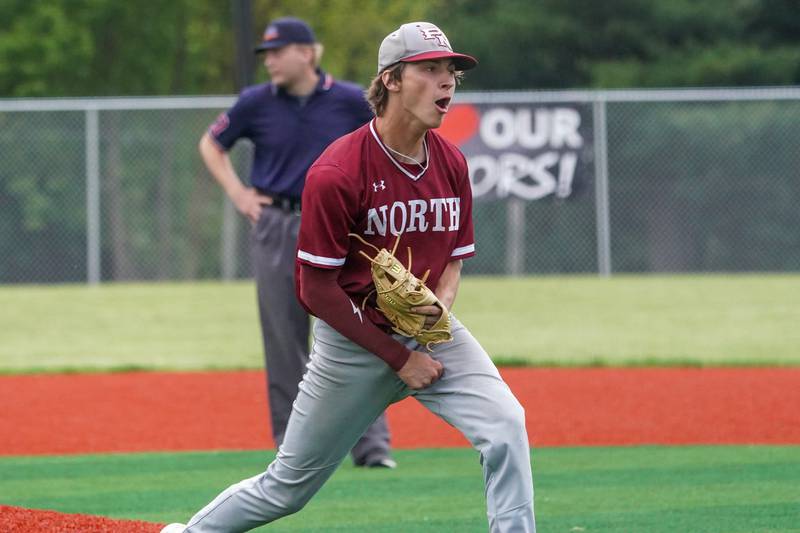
[{"x": 697, "y": 489}]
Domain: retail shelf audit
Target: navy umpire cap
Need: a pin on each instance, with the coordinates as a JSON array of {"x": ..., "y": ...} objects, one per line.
[{"x": 283, "y": 31}]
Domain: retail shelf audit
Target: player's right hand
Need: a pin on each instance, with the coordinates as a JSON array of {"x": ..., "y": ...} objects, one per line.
[
  {"x": 249, "y": 202},
  {"x": 420, "y": 371}
]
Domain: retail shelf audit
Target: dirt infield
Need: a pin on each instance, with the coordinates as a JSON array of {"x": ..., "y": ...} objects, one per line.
[
  {"x": 136, "y": 412},
  {"x": 17, "y": 520}
]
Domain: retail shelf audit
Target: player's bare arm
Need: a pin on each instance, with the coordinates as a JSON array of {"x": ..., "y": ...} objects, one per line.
[
  {"x": 246, "y": 199},
  {"x": 446, "y": 291}
]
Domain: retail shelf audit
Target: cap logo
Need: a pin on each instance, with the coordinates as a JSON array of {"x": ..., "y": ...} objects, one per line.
[
  {"x": 435, "y": 34},
  {"x": 271, "y": 33}
]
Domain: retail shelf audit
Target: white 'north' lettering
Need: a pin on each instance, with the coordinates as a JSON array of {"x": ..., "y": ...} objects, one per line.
[
  {"x": 393, "y": 218},
  {"x": 454, "y": 206},
  {"x": 380, "y": 221},
  {"x": 436, "y": 205},
  {"x": 414, "y": 215}
]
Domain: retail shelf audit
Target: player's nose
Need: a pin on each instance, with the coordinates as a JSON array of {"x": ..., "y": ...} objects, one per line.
[{"x": 448, "y": 81}]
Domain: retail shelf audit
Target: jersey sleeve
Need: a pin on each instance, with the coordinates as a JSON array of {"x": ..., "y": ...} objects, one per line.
[
  {"x": 330, "y": 202},
  {"x": 232, "y": 124},
  {"x": 465, "y": 242}
]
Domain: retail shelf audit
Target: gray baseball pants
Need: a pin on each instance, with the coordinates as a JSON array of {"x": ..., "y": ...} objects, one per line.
[
  {"x": 344, "y": 390},
  {"x": 285, "y": 328}
]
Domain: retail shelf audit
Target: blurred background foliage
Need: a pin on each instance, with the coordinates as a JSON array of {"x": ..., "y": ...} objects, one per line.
[
  {"x": 107, "y": 47},
  {"x": 695, "y": 187}
]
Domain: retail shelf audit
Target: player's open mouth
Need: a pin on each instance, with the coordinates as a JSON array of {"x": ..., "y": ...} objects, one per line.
[{"x": 442, "y": 104}]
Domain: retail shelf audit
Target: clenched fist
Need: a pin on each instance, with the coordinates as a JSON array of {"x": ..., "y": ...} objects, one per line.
[{"x": 420, "y": 371}]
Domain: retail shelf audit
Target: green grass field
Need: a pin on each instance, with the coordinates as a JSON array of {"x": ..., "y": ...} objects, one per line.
[
  {"x": 730, "y": 489},
  {"x": 580, "y": 320}
]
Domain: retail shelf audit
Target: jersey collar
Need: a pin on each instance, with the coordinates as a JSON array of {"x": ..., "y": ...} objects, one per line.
[
  {"x": 394, "y": 161},
  {"x": 323, "y": 85}
]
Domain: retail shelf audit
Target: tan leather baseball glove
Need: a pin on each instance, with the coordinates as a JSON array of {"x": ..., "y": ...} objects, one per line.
[{"x": 398, "y": 290}]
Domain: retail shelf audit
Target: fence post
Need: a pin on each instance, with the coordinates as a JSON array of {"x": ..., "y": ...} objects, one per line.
[
  {"x": 230, "y": 241},
  {"x": 92, "y": 197},
  {"x": 515, "y": 236},
  {"x": 602, "y": 214}
]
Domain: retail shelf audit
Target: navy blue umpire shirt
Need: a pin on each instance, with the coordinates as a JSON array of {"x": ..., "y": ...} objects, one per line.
[{"x": 290, "y": 133}]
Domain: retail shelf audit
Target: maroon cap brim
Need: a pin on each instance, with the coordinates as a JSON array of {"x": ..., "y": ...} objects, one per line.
[{"x": 461, "y": 61}]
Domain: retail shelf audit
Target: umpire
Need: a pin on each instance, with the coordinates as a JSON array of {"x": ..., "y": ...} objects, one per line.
[{"x": 290, "y": 121}]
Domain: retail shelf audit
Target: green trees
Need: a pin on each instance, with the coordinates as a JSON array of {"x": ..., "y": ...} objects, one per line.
[
  {"x": 628, "y": 43},
  {"x": 106, "y": 47}
]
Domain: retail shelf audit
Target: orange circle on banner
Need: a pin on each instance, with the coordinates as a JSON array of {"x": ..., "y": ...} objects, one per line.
[{"x": 460, "y": 124}]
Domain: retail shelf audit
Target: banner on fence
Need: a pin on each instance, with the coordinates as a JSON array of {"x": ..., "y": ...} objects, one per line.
[{"x": 529, "y": 151}]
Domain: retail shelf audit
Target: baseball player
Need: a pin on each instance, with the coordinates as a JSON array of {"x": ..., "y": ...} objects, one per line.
[
  {"x": 392, "y": 177},
  {"x": 290, "y": 121}
]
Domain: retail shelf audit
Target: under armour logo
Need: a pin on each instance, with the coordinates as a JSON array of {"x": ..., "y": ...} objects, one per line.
[
  {"x": 357, "y": 311},
  {"x": 378, "y": 185},
  {"x": 437, "y": 35}
]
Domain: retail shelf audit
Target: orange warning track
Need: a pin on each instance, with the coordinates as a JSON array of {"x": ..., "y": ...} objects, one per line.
[{"x": 136, "y": 412}]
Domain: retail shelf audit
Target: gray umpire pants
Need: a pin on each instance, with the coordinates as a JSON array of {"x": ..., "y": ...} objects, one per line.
[
  {"x": 285, "y": 328},
  {"x": 344, "y": 390}
]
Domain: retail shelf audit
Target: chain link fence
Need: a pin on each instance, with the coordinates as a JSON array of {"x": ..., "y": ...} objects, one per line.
[
  {"x": 564, "y": 182},
  {"x": 705, "y": 186}
]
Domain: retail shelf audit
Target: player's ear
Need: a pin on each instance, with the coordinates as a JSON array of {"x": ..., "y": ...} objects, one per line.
[
  {"x": 390, "y": 81},
  {"x": 309, "y": 54}
]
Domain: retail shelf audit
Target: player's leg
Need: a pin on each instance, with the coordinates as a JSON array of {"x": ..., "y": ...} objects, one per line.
[
  {"x": 373, "y": 448},
  {"x": 284, "y": 323},
  {"x": 472, "y": 396},
  {"x": 343, "y": 392}
]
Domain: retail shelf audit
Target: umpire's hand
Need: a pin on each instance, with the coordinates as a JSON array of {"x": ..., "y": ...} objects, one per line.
[
  {"x": 248, "y": 202},
  {"x": 420, "y": 371}
]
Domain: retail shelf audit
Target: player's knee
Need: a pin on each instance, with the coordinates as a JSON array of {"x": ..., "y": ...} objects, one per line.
[
  {"x": 285, "y": 495},
  {"x": 296, "y": 500},
  {"x": 294, "y": 505},
  {"x": 508, "y": 434},
  {"x": 512, "y": 419}
]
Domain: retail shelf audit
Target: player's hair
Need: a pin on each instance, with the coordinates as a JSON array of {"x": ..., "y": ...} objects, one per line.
[
  {"x": 318, "y": 51},
  {"x": 377, "y": 94}
]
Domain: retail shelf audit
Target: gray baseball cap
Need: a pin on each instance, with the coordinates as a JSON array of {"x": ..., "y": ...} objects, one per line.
[{"x": 418, "y": 41}]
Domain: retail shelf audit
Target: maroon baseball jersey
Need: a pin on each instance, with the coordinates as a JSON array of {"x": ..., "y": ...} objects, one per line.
[{"x": 357, "y": 186}]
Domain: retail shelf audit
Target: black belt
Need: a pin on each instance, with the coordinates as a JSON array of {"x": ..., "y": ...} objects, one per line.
[{"x": 284, "y": 203}]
